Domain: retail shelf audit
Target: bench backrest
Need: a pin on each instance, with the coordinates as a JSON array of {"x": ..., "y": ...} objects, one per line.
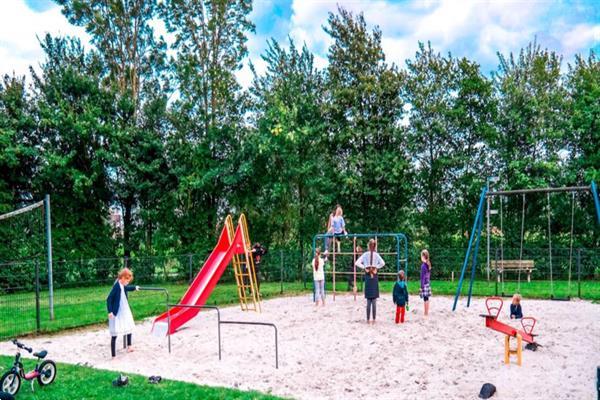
[{"x": 515, "y": 264}]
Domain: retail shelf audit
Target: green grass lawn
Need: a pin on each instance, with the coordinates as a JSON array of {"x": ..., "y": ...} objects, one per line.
[
  {"x": 590, "y": 290},
  {"x": 79, "y": 307},
  {"x": 76, "y": 382}
]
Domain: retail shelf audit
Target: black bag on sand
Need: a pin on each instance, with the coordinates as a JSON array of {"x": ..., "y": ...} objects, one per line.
[{"x": 487, "y": 391}]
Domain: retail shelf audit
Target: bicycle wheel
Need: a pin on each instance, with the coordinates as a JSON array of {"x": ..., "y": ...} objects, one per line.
[
  {"x": 47, "y": 372},
  {"x": 10, "y": 383}
]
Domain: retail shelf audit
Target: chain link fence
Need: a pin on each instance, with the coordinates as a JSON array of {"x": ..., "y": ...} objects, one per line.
[{"x": 81, "y": 286}]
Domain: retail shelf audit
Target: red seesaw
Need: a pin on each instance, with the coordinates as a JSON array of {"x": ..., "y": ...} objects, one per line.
[{"x": 494, "y": 306}]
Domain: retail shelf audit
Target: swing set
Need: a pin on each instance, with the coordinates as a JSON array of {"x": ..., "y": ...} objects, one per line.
[{"x": 520, "y": 265}]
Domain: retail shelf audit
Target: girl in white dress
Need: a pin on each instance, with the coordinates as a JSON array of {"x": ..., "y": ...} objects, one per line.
[{"x": 120, "y": 318}]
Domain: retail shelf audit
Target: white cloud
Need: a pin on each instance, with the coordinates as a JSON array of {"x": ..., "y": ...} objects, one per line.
[
  {"x": 473, "y": 29},
  {"x": 470, "y": 28},
  {"x": 581, "y": 36},
  {"x": 19, "y": 25}
]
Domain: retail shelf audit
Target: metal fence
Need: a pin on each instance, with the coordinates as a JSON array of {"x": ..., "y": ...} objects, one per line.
[{"x": 81, "y": 286}]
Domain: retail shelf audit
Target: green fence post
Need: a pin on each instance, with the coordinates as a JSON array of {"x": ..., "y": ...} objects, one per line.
[
  {"x": 281, "y": 272},
  {"x": 190, "y": 262},
  {"x": 37, "y": 296}
]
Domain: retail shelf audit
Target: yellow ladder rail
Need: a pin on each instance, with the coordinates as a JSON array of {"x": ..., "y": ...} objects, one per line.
[{"x": 245, "y": 279}]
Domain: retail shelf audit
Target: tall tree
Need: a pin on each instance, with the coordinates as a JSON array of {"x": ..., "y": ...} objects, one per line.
[
  {"x": 364, "y": 112},
  {"x": 122, "y": 32},
  {"x": 531, "y": 116},
  {"x": 531, "y": 130},
  {"x": 290, "y": 180},
  {"x": 583, "y": 83},
  {"x": 451, "y": 110},
  {"x": 73, "y": 122},
  {"x": 210, "y": 42},
  {"x": 18, "y": 153}
]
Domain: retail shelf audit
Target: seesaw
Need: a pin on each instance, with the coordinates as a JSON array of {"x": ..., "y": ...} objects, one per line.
[{"x": 494, "y": 306}]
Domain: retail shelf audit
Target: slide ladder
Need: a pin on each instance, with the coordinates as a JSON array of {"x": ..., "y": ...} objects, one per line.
[{"x": 243, "y": 267}]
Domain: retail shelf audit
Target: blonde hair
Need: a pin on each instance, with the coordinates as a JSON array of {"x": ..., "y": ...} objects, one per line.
[
  {"x": 372, "y": 244},
  {"x": 425, "y": 255},
  {"x": 125, "y": 273},
  {"x": 401, "y": 275},
  {"x": 516, "y": 298}
]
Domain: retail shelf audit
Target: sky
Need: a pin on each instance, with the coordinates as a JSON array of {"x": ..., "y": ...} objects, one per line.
[{"x": 476, "y": 29}]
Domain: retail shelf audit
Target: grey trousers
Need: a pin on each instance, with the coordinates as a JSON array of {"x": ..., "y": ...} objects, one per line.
[{"x": 371, "y": 304}]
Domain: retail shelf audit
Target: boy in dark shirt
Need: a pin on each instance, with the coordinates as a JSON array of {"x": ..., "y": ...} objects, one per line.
[{"x": 400, "y": 297}]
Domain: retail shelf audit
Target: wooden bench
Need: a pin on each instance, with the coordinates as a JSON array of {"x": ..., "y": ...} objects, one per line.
[{"x": 514, "y": 266}]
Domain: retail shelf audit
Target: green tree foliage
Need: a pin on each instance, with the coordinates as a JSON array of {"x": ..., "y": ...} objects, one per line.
[
  {"x": 134, "y": 60},
  {"x": 207, "y": 117},
  {"x": 584, "y": 87},
  {"x": 291, "y": 174},
  {"x": 531, "y": 117},
  {"x": 583, "y": 142},
  {"x": 177, "y": 144},
  {"x": 531, "y": 124},
  {"x": 370, "y": 164},
  {"x": 19, "y": 161},
  {"x": 450, "y": 115},
  {"x": 73, "y": 116},
  {"x": 18, "y": 155}
]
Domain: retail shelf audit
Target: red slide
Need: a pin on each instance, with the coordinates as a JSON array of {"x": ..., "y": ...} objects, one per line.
[{"x": 203, "y": 285}]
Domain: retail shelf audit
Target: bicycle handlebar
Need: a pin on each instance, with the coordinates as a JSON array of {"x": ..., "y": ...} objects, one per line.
[{"x": 21, "y": 345}]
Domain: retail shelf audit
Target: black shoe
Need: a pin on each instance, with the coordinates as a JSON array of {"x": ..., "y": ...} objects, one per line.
[
  {"x": 154, "y": 379},
  {"x": 122, "y": 380}
]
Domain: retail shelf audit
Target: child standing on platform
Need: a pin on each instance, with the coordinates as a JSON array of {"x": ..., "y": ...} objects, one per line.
[
  {"x": 120, "y": 318},
  {"x": 371, "y": 262},
  {"x": 400, "y": 297},
  {"x": 338, "y": 225}
]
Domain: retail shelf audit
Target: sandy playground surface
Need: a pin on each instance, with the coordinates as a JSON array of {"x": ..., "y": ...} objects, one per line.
[{"x": 331, "y": 353}]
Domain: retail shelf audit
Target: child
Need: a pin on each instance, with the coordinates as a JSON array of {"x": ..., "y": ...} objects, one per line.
[
  {"x": 120, "y": 319},
  {"x": 319, "y": 277},
  {"x": 258, "y": 252},
  {"x": 329, "y": 229},
  {"x": 351, "y": 276},
  {"x": 339, "y": 226},
  {"x": 515, "y": 307},
  {"x": 425, "y": 292},
  {"x": 371, "y": 261},
  {"x": 400, "y": 297}
]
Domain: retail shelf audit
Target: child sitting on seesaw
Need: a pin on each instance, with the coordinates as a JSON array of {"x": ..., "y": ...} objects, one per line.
[
  {"x": 400, "y": 297},
  {"x": 515, "y": 307}
]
